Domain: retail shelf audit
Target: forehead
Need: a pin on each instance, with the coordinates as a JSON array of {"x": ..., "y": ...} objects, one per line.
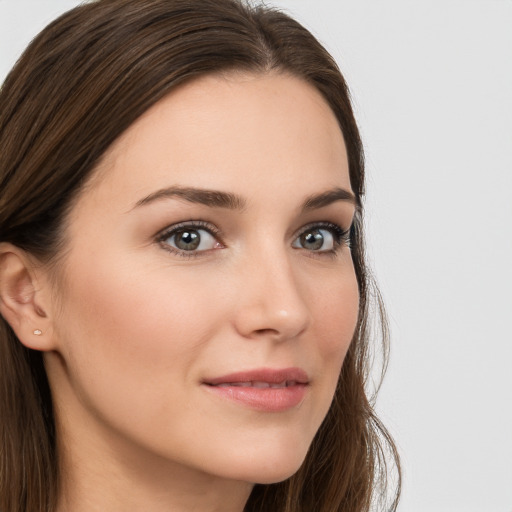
[{"x": 239, "y": 132}]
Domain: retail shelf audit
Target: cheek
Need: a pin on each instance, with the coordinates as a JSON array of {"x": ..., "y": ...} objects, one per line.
[
  {"x": 334, "y": 310},
  {"x": 131, "y": 330},
  {"x": 131, "y": 339},
  {"x": 336, "y": 313}
]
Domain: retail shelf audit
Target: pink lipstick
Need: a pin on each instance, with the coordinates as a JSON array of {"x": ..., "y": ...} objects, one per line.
[{"x": 262, "y": 389}]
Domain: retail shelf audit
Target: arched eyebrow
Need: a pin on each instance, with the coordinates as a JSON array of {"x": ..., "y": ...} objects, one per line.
[
  {"x": 220, "y": 199},
  {"x": 211, "y": 198},
  {"x": 328, "y": 197}
]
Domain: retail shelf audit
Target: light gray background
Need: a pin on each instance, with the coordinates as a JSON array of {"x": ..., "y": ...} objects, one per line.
[{"x": 432, "y": 87}]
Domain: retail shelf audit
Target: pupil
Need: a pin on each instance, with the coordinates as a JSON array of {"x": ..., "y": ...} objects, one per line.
[
  {"x": 312, "y": 240},
  {"x": 187, "y": 240}
]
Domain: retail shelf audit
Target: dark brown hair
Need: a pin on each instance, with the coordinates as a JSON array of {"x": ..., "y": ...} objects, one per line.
[{"x": 83, "y": 81}]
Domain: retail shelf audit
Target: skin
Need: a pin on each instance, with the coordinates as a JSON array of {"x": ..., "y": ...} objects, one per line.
[{"x": 132, "y": 328}]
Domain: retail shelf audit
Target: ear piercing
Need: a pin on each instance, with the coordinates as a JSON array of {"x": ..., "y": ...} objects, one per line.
[{"x": 38, "y": 332}]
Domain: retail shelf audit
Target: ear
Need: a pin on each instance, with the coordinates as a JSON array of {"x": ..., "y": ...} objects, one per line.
[{"x": 24, "y": 298}]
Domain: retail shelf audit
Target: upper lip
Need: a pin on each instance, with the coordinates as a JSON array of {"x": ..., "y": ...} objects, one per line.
[{"x": 269, "y": 375}]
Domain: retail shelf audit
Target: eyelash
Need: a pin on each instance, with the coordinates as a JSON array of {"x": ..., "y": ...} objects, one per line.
[
  {"x": 193, "y": 225},
  {"x": 341, "y": 237}
]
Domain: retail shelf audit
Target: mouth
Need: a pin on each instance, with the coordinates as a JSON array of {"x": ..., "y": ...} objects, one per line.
[
  {"x": 262, "y": 378},
  {"x": 258, "y": 384},
  {"x": 264, "y": 390}
]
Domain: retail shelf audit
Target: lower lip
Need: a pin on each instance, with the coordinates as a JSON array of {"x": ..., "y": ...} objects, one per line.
[{"x": 263, "y": 399}]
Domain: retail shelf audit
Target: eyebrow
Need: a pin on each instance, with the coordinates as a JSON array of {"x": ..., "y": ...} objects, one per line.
[
  {"x": 220, "y": 199},
  {"x": 211, "y": 198},
  {"x": 323, "y": 199}
]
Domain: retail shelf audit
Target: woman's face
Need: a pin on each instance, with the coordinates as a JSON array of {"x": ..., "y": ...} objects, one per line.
[{"x": 208, "y": 297}]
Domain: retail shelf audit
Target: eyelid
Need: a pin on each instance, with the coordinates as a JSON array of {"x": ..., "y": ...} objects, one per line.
[
  {"x": 336, "y": 228},
  {"x": 342, "y": 237},
  {"x": 169, "y": 231}
]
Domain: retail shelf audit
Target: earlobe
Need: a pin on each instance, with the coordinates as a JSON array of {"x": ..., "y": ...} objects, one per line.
[{"x": 21, "y": 300}]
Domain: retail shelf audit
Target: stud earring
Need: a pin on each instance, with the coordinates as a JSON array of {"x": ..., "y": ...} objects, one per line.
[{"x": 38, "y": 332}]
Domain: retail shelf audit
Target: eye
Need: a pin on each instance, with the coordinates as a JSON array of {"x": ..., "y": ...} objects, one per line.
[
  {"x": 189, "y": 238},
  {"x": 322, "y": 238}
]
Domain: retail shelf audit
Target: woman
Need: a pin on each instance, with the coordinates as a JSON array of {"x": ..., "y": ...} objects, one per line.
[{"x": 182, "y": 278}]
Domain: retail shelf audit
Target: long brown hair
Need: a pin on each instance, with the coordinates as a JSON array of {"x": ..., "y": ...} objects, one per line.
[{"x": 83, "y": 81}]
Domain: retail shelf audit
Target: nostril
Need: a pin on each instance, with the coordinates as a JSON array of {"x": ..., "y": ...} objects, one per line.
[{"x": 267, "y": 332}]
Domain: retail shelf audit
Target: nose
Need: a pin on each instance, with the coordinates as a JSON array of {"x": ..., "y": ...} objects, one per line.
[{"x": 271, "y": 302}]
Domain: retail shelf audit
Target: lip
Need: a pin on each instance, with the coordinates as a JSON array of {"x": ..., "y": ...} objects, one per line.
[{"x": 263, "y": 389}]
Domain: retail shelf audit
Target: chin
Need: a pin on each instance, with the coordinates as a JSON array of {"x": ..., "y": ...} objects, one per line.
[{"x": 269, "y": 468}]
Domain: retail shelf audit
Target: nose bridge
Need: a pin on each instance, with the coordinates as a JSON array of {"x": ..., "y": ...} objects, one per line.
[{"x": 271, "y": 298}]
